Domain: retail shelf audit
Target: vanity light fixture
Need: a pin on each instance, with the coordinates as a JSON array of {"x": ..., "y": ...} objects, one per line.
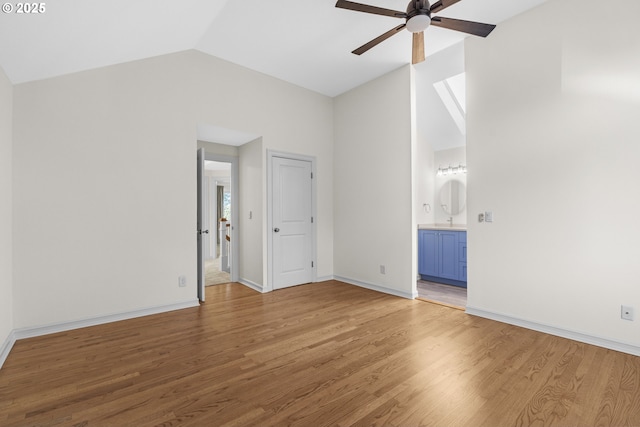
[{"x": 452, "y": 170}]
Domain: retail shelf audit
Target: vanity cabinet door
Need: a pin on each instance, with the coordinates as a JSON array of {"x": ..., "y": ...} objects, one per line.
[
  {"x": 448, "y": 256},
  {"x": 428, "y": 252}
]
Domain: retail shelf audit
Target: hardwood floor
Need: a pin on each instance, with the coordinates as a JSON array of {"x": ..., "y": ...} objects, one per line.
[{"x": 315, "y": 355}]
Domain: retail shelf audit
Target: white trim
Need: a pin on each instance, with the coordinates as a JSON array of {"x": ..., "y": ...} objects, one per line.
[
  {"x": 314, "y": 213},
  {"x": 325, "y": 278},
  {"x": 554, "y": 330},
  {"x": 377, "y": 288},
  {"x": 99, "y": 320},
  {"x": 6, "y": 347},
  {"x": 253, "y": 285}
]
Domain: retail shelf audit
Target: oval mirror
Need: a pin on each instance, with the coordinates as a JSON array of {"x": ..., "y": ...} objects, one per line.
[{"x": 453, "y": 197}]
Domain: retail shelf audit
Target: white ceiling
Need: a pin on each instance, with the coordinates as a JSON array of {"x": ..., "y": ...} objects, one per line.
[{"x": 305, "y": 42}]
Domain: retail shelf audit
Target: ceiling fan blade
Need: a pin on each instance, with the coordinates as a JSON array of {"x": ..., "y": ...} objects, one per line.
[
  {"x": 442, "y": 4},
  {"x": 365, "y": 47},
  {"x": 470, "y": 27},
  {"x": 418, "y": 48},
  {"x": 359, "y": 7}
]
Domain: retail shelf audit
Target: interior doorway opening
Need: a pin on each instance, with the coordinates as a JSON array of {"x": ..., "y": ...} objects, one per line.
[
  {"x": 218, "y": 254},
  {"x": 217, "y": 196}
]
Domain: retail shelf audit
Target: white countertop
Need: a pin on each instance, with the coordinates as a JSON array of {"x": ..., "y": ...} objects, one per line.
[{"x": 451, "y": 227}]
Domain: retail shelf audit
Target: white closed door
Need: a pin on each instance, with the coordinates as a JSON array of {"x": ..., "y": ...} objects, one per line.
[{"x": 292, "y": 219}]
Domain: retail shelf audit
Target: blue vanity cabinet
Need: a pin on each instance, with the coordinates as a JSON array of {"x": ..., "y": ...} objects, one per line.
[
  {"x": 427, "y": 252},
  {"x": 442, "y": 256}
]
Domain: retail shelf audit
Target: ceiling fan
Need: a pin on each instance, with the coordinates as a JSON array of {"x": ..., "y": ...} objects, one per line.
[{"x": 417, "y": 19}]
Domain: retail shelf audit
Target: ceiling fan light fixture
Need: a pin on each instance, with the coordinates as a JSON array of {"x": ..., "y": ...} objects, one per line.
[{"x": 418, "y": 23}]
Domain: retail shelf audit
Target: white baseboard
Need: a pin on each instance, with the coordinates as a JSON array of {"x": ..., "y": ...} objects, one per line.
[
  {"x": 249, "y": 284},
  {"x": 553, "y": 330},
  {"x": 324, "y": 278},
  {"x": 6, "y": 347},
  {"x": 377, "y": 288},
  {"x": 99, "y": 320}
]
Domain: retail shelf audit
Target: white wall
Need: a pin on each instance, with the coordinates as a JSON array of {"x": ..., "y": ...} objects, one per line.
[
  {"x": 434, "y": 123},
  {"x": 90, "y": 208},
  {"x": 6, "y": 205},
  {"x": 425, "y": 181},
  {"x": 220, "y": 149},
  {"x": 552, "y": 147},
  {"x": 436, "y": 130},
  {"x": 373, "y": 194},
  {"x": 252, "y": 218}
]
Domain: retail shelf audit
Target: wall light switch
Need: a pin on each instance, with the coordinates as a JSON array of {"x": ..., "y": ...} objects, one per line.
[{"x": 488, "y": 216}]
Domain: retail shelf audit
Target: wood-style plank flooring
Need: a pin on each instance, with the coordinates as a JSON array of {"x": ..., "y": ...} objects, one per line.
[
  {"x": 449, "y": 295},
  {"x": 315, "y": 355}
]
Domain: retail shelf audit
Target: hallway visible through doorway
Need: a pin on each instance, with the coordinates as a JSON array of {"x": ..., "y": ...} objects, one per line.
[
  {"x": 212, "y": 273},
  {"x": 218, "y": 214}
]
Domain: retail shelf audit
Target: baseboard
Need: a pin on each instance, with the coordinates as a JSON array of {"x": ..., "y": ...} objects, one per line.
[
  {"x": 7, "y": 345},
  {"x": 249, "y": 284},
  {"x": 324, "y": 279},
  {"x": 99, "y": 320},
  {"x": 377, "y": 288},
  {"x": 553, "y": 330}
]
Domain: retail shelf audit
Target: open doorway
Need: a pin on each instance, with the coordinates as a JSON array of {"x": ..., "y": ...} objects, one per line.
[
  {"x": 218, "y": 212},
  {"x": 217, "y": 254},
  {"x": 441, "y": 179}
]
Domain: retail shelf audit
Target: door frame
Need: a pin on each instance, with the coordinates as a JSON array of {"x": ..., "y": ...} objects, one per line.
[{"x": 313, "y": 241}]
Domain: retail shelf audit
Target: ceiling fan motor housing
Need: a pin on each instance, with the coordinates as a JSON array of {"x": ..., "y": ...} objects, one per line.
[{"x": 418, "y": 15}]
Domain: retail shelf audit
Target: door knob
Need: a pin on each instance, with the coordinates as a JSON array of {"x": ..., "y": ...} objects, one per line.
[
  {"x": 205, "y": 232},
  {"x": 275, "y": 230}
]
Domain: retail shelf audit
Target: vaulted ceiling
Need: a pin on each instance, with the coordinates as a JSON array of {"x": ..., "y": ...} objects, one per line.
[{"x": 304, "y": 42}]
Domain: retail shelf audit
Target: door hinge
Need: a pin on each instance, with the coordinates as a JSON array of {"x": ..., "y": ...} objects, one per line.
[
  {"x": 311, "y": 220},
  {"x": 311, "y": 264},
  {"x": 311, "y": 175}
]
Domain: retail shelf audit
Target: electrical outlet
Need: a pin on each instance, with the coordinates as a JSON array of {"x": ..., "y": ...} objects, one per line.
[
  {"x": 480, "y": 217},
  {"x": 626, "y": 312},
  {"x": 182, "y": 281},
  {"x": 383, "y": 270}
]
